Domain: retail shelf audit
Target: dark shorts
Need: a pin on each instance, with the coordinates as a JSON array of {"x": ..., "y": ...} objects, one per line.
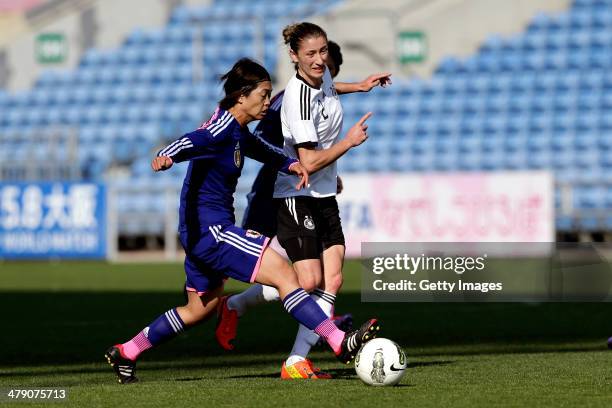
[
  {"x": 261, "y": 216},
  {"x": 314, "y": 220},
  {"x": 221, "y": 252}
]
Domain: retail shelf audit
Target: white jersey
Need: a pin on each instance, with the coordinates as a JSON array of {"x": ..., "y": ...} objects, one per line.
[{"x": 313, "y": 117}]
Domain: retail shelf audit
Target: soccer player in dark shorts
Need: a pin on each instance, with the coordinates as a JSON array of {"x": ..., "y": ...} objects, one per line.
[
  {"x": 260, "y": 216},
  {"x": 325, "y": 216},
  {"x": 215, "y": 248}
]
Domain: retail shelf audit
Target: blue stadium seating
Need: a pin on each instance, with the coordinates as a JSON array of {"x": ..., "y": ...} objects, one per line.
[
  {"x": 538, "y": 100},
  {"x": 151, "y": 77}
]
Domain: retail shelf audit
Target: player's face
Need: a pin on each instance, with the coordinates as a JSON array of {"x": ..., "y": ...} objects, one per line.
[
  {"x": 311, "y": 57},
  {"x": 256, "y": 104}
]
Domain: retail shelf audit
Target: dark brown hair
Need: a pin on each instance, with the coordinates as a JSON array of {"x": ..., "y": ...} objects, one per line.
[
  {"x": 336, "y": 55},
  {"x": 295, "y": 33},
  {"x": 242, "y": 79}
]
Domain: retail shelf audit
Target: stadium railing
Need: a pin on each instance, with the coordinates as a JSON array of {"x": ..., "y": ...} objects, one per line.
[{"x": 40, "y": 154}]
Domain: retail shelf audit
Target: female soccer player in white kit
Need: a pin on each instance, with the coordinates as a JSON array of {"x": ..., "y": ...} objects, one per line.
[{"x": 309, "y": 226}]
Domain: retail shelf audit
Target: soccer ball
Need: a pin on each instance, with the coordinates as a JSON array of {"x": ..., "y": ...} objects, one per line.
[{"x": 381, "y": 362}]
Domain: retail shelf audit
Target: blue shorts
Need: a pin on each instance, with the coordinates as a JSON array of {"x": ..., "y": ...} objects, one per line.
[{"x": 221, "y": 252}]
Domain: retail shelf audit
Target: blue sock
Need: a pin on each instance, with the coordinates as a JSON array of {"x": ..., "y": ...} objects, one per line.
[
  {"x": 303, "y": 309},
  {"x": 164, "y": 327}
]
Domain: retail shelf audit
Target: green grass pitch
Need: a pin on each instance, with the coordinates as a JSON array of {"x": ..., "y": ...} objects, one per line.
[{"x": 58, "y": 319}]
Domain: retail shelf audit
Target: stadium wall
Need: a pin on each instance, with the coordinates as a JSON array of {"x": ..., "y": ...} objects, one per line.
[
  {"x": 11, "y": 24},
  {"x": 106, "y": 25},
  {"x": 451, "y": 27}
]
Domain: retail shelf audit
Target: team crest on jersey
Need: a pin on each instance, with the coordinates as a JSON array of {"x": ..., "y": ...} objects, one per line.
[
  {"x": 252, "y": 234},
  {"x": 308, "y": 222},
  {"x": 237, "y": 156}
]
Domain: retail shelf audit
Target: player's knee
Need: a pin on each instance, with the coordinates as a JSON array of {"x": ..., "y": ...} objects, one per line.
[
  {"x": 285, "y": 276},
  {"x": 309, "y": 282},
  {"x": 309, "y": 273}
]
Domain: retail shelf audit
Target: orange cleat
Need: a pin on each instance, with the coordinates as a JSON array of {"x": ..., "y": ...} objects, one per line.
[
  {"x": 227, "y": 325},
  {"x": 303, "y": 370}
]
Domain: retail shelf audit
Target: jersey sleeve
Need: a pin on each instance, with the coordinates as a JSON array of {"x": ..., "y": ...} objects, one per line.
[
  {"x": 199, "y": 144},
  {"x": 257, "y": 148},
  {"x": 270, "y": 130},
  {"x": 297, "y": 109}
]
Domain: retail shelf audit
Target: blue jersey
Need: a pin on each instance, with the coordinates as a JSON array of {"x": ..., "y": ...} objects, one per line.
[
  {"x": 261, "y": 211},
  {"x": 216, "y": 152}
]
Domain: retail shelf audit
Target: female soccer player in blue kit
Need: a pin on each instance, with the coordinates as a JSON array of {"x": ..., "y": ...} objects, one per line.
[{"x": 217, "y": 249}]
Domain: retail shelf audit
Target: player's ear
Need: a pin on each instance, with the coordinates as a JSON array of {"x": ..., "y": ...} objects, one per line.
[{"x": 293, "y": 56}]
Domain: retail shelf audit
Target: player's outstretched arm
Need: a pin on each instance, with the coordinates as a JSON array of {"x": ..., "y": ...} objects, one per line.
[
  {"x": 314, "y": 160},
  {"x": 199, "y": 144},
  {"x": 383, "y": 79}
]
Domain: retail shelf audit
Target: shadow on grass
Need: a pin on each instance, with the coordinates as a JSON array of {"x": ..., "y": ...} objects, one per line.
[
  {"x": 188, "y": 379},
  {"x": 338, "y": 374},
  {"x": 237, "y": 361},
  {"x": 429, "y": 363},
  {"x": 70, "y": 328}
]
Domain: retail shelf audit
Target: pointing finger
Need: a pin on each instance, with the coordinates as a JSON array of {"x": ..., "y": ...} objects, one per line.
[
  {"x": 382, "y": 75},
  {"x": 364, "y": 118}
]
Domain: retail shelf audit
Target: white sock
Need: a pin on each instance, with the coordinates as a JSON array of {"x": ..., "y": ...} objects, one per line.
[
  {"x": 307, "y": 338},
  {"x": 270, "y": 294},
  {"x": 255, "y": 295}
]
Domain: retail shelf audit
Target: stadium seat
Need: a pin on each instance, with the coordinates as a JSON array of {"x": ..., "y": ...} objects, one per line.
[
  {"x": 589, "y": 223},
  {"x": 564, "y": 223},
  {"x": 446, "y": 161},
  {"x": 586, "y": 141},
  {"x": 178, "y": 35},
  {"x": 605, "y": 143},
  {"x": 492, "y": 161},
  {"x": 537, "y": 100},
  {"x": 470, "y": 162}
]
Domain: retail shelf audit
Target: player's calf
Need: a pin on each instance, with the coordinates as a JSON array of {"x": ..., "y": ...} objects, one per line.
[{"x": 122, "y": 357}]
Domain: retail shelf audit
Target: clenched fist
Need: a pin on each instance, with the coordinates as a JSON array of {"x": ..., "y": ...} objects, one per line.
[{"x": 161, "y": 163}]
